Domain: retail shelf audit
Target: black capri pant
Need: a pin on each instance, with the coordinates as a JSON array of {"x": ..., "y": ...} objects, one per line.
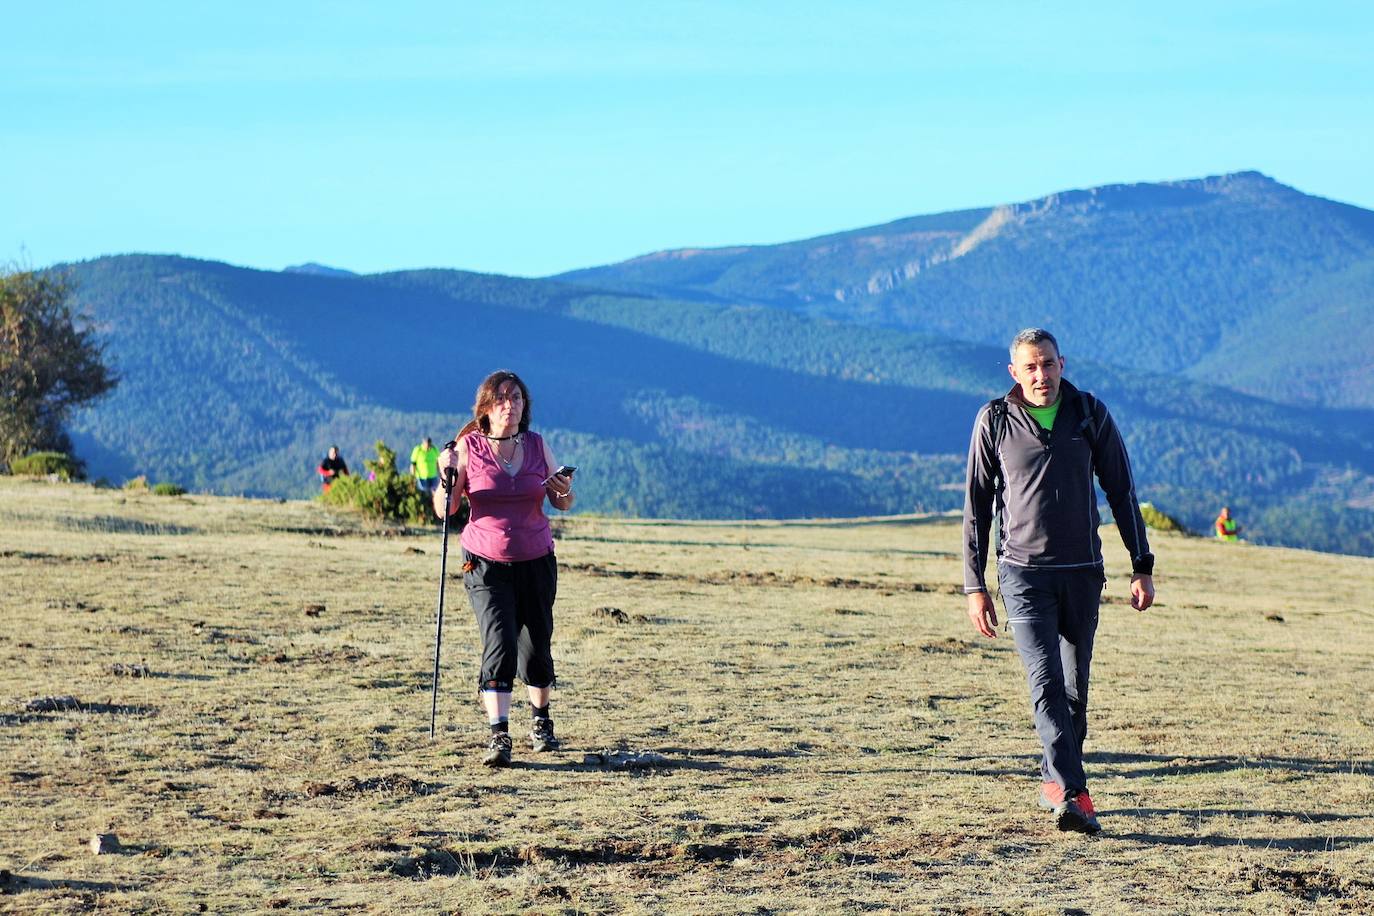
[{"x": 513, "y": 603}]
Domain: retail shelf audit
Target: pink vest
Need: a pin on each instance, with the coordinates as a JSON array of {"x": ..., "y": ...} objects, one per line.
[{"x": 507, "y": 522}]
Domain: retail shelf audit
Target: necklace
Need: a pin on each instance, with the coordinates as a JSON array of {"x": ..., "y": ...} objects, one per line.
[
  {"x": 506, "y": 463},
  {"x": 501, "y": 438}
]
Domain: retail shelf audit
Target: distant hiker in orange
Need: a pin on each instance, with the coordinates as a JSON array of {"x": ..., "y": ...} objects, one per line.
[
  {"x": 331, "y": 467},
  {"x": 1227, "y": 529}
]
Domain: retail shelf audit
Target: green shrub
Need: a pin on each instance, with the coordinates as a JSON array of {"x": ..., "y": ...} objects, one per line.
[
  {"x": 391, "y": 496},
  {"x": 167, "y": 489},
  {"x": 43, "y": 464},
  {"x": 1158, "y": 520}
]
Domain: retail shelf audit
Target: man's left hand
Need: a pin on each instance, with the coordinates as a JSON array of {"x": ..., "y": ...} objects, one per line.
[{"x": 1142, "y": 592}]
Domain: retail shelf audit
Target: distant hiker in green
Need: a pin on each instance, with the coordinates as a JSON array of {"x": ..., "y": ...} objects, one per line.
[
  {"x": 331, "y": 467},
  {"x": 424, "y": 464},
  {"x": 1227, "y": 528},
  {"x": 1031, "y": 464}
]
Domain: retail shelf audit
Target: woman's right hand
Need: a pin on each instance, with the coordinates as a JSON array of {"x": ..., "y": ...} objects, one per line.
[
  {"x": 452, "y": 467},
  {"x": 449, "y": 459}
]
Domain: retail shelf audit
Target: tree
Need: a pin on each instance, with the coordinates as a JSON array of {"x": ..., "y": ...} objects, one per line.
[
  {"x": 48, "y": 365},
  {"x": 389, "y": 496}
]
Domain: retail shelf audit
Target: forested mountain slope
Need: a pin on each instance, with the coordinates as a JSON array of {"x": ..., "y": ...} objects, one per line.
[{"x": 236, "y": 380}]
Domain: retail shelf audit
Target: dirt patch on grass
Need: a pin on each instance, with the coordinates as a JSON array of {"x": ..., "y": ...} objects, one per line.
[
  {"x": 950, "y": 645},
  {"x": 220, "y": 636},
  {"x": 765, "y": 578},
  {"x": 394, "y": 784},
  {"x": 40, "y": 557},
  {"x": 437, "y": 863},
  {"x": 616, "y": 615},
  {"x": 1305, "y": 884},
  {"x": 42, "y": 707},
  {"x": 390, "y": 784},
  {"x": 342, "y": 654},
  {"x": 118, "y": 524},
  {"x": 130, "y": 669}
]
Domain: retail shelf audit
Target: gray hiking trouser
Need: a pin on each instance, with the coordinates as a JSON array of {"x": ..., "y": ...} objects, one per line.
[{"x": 1053, "y": 617}]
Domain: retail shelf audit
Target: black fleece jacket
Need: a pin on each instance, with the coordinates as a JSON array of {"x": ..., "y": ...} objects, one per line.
[{"x": 1048, "y": 517}]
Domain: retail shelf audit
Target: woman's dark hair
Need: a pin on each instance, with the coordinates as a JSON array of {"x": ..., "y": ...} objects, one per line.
[{"x": 486, "y": 399}]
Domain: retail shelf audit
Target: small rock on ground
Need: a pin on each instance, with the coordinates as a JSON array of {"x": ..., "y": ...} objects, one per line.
[
  {"x": 102, "y": 844},
  {"x": 625, "y": 760}
]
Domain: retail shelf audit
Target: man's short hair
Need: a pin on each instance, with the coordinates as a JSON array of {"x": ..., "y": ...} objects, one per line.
[{"x": 1034, "y": 337}]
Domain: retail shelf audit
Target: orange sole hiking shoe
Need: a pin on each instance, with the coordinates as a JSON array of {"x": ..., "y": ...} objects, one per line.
[{"x": 1074, "y": 813}]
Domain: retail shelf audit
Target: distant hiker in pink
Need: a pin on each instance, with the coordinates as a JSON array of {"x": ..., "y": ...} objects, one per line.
[{"x": 509, "y": 568}]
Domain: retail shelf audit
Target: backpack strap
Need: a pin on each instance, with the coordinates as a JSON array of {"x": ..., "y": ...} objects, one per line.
[
  {"x": 1087, "y": 408},
  {"x": 997, "y": 426}
]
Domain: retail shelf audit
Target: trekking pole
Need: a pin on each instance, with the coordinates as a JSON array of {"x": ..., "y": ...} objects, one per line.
[{"x": 439, "y": 620}]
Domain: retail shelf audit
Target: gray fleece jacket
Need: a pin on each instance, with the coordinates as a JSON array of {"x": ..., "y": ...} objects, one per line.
[{"x": 1048, "y": 514}]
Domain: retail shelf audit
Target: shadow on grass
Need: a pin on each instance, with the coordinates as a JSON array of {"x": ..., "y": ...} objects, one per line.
[
  {"x": 49, "y": 715},
  {"x": 11, "y": 883},
  {"x": 1284, "y": 844},
  {"x": 579, "y": 765},
  {"x": 1310, "y": 817},
  {"x": 1185, "y": 764},
  {"x": 118, "y": 524},
  {"x": 755, "y": 752},
  {"x": 1143, "y": 765}
]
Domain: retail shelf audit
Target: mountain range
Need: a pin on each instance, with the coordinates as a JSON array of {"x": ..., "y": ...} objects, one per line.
[
  {"x": 1211, "y": 275},
  {"x": 1225, "y": 321}
]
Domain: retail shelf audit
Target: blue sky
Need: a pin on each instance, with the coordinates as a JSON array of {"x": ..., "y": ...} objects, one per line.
[{"x": 537, "y": 136}]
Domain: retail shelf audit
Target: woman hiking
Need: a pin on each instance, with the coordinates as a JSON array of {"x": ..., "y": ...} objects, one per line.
[{"x": 509, "y": 568}]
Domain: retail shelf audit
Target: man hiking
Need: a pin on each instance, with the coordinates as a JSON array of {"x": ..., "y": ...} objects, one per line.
[
  {"x": 1031, "y": 463},
  {"x": 424, "y": 465},
  {"x": 331, "y": 468}
]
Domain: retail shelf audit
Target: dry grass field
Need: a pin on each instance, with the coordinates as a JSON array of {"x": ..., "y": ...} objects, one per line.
[{"x": 819, "y": 728}]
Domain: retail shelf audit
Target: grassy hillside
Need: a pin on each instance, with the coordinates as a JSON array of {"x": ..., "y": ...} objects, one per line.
[
  {"x": 1206, "y": 274},
  {"x": 820, "y": 731},
  {"x": 237, "y": 381}
]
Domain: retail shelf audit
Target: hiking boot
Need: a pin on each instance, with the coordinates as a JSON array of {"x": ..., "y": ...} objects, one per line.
[
  {"x": 1078, "y": 815},
  {"x": 541, "y": 735},
  {"x": 498, "y": 751},
  {"x": 1072, "y": 812}
]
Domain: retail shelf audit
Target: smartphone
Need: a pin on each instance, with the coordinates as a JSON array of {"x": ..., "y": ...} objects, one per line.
[{"x": 562, "y": 469}]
